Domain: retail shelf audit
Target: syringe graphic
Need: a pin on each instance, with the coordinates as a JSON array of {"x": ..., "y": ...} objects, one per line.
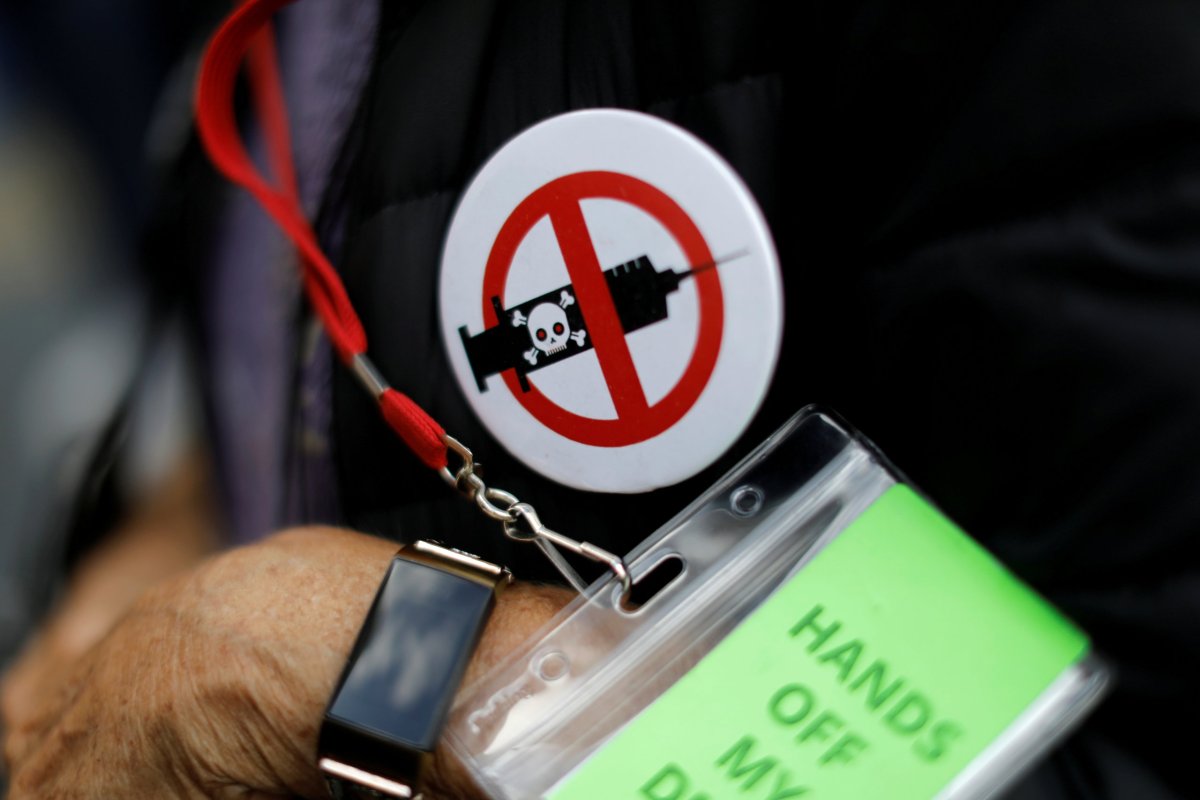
[{"x": 550, "y": 328}]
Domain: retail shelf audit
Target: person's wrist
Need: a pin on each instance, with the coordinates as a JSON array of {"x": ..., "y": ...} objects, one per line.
[
  {"x": 300, "y": 596},
  {"x": 521, "y": 611},
  {"x": 459, "y": 616}
]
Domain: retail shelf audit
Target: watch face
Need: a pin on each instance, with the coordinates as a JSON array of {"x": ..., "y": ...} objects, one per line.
[{"x": 411, "y": 654}]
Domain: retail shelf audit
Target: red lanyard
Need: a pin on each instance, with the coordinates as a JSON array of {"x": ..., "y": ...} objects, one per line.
[{"x": 247, "y": 34}]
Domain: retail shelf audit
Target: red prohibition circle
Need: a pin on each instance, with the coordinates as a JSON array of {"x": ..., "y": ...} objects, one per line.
[{"x": 637, "y": 420}]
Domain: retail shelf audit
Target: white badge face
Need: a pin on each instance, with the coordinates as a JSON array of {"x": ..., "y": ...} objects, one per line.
[{"x": 611, "y": 301}]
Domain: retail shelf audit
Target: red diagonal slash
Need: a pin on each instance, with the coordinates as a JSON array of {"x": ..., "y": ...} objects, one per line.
[
  {"x": 599, "y": 312},
  {"x": 636, "y": 420}
]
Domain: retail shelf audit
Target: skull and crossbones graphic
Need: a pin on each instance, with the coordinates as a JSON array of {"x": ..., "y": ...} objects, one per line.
[{"x": 549, "y": 329}]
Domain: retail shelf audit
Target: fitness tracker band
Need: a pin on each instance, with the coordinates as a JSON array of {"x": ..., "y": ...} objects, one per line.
[{"x": 391, "y": 702}]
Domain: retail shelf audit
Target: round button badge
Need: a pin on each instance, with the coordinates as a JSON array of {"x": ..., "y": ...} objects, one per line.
[{"x": 611, "y": 301}]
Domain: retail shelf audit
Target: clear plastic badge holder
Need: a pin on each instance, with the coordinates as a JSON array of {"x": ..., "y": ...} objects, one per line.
[{"x": 821, "y": 703}]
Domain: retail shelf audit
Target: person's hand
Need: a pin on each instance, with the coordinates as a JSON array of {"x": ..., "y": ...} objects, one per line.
[
  {"x": 170, "y": 531},
  {"x": 214, "y": 684}
]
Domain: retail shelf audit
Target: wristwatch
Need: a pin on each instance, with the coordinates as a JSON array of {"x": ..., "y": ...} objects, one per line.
[{"x": 391, "y": 702}]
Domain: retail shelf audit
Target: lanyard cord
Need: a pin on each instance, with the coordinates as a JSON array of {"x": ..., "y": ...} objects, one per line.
[
  {"x": 248, "y": 29},
  {"x": 246, "y": 35}
]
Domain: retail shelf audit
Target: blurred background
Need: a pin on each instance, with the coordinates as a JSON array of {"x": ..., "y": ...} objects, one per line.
[{"x": 93, "y": 93}]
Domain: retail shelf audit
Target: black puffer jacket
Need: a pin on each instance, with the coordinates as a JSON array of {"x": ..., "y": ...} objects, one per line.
[{"x": 988, "y": 216}]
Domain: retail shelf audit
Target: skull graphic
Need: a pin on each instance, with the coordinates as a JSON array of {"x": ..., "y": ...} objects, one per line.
[{"x": 548, "y": 328}]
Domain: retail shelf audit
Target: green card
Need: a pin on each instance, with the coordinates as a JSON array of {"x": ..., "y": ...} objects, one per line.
[{"x": 893, "y": 659}]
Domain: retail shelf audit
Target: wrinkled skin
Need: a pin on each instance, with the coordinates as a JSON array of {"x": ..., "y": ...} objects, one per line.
[
  {"x": 169, "y": 531},
  {"x": 213, "y": 684}
]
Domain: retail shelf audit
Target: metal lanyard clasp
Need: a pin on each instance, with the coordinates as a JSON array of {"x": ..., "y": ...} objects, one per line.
[{"x": 522, "y": 524}]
